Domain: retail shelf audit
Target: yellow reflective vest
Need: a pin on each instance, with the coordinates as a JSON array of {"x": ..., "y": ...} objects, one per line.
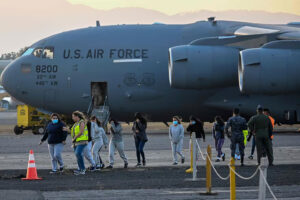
[
  {"x": 75, "y": 130},
  {"x": 245, "y": 132}
]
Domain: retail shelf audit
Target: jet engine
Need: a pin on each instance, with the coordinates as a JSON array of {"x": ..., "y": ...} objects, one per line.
[
  {"x": 272, "y": 69},
  {"x": 202, "y": 66}
]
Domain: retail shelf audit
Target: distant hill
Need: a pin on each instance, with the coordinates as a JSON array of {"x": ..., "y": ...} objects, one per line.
[{"x": 24, "y": 22}]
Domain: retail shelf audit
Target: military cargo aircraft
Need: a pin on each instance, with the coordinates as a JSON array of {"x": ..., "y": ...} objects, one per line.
[{"x": 205, "y": 68}]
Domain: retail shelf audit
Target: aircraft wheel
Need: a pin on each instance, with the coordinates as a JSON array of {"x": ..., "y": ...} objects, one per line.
[
  {"x": 38, "y": 130},
  {"x": 18, "y": 130}
]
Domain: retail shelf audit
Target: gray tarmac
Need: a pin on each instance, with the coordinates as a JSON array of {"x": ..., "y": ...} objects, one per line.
[{"x": 158, "y": 180}]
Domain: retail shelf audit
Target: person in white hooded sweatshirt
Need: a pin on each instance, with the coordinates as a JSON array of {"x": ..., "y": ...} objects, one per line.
[
  {"x": 176, "y": 135},
  {"x": 99, "y": 139}
]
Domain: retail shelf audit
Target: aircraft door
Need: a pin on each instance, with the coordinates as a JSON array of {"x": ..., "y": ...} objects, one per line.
[{"x": 99, "y": 106}]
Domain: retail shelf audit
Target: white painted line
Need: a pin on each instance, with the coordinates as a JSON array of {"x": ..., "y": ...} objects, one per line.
[{"x": 128, "y": 60}]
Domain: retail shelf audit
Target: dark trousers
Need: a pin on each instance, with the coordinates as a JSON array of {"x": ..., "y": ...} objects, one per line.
[
  {"x": 237, "y": 139},
  {"x": 264, "y": 144},
  {"x": 253, "y": 146},
  {"x": 139, "y": 146}
]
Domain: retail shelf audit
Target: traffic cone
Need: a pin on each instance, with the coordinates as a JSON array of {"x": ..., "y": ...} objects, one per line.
[{"x": 31, "y": 170}]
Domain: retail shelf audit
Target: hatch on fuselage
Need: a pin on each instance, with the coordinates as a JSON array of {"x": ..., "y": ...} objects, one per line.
[{"x": 99, "y": 93}]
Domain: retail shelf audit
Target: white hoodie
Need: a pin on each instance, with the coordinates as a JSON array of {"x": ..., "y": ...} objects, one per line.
[
  {"x": 98, "y": 133},
  {"x": 176, "y": 133}
]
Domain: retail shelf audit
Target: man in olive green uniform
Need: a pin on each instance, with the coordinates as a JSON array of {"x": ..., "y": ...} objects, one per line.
[{"x": 261, "y": 127}]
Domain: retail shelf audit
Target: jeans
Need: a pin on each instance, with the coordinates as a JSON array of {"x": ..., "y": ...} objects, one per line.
[
  {"x": 79, "y": 155},
  {"x": 176, "y": 149},
  {"x": 113, "y": 145},
  {"x": 55, "y": 154},
  {"x": 96, "y": 150},
  {"x": 139, "y": 146},
  {"x": 219, "y": 144},
  {"x": 87, "y": 152},
  {"x": 237, "y": 141}
]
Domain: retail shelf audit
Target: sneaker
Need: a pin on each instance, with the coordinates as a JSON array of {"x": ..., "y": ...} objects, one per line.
[
  {"x": 144, "y": 163},
  {"x": 53, "y": 172},
  {"x": 250, "y": 157},
  {"x": 223, "y": 156},
  {"x": 92, "y": 168},
  {"x": 175, "y": 163},
  {"x": 79, "y": 172},
  {"x": 102, "y": 166},
  {"x": 125, "y": 165},
  {"x": 98, "y": 167},
  {"x": 138, "y": 165},
  {"x": 218, "y": 160},
  {"x": 242, "y": 165},
  {"x": 182, "y": 160},
  {"x": 109, "y": 167},
  {"x": 61, "y": 169}
]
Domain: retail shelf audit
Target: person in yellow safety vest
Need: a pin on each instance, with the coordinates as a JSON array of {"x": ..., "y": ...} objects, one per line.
[{"x": 79, "y": 134}]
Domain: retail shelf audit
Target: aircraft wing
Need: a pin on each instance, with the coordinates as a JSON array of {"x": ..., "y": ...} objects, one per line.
[{"x": 251, "y": 30}]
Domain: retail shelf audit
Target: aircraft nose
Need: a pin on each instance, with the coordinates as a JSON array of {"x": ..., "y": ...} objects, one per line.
[{"x": 8, "y": 79}]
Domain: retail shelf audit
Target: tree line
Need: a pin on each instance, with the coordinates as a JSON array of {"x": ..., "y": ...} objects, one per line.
[{"x": 13, "y": 55}]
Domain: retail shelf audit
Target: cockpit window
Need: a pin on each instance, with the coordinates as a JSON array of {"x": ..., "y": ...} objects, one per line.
[
  {"x": 38, "y": 52},
  {"x": 28, "y": 52},
  {"x": 48, "y": 52}
]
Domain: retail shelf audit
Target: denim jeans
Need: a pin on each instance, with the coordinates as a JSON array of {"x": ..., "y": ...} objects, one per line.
[
  {"x": 79, "y": 155},
  {"x": 55, "y": 154},
  {"x": 139, "y": 147}
]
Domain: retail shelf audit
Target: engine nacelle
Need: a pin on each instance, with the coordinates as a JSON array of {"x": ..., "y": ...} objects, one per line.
[
  {"x": 202, "y": 67},
  {"x": 272, "y": 69}
]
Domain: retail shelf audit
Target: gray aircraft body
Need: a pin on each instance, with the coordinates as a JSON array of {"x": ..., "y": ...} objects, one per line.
[{"x": 205, "y": 68}]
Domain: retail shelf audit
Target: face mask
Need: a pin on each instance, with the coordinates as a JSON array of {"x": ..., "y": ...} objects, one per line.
[
  {"x": 193, "y": 122},
  {"x": 54, "y": 121},
  {"x": 175, "y": 122}
]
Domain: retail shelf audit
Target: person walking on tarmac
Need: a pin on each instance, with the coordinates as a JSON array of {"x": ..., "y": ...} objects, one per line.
[
  {"x": 99, "y": 139},
  {"x": 237, "y": 125},
  {"x": 87, "y": 152},
  {"x": 261, "y": 127},
  {"x": 266, "y": 112},
  {"x": 116, "y": 142},
  {"x": 56, "y": 141},
  {"x": 176, "y": 135},
  {"x": 196, "y": 126},
  {"x": 140, "y": 137},
  {"x": 79, "y": 133},
  {"x": 218, "y": 135}
]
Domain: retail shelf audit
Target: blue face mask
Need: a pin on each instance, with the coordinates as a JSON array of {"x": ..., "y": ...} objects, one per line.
[
  {"x": 54, "y": 121},
  {"x": 193, "y": 122},
  {"x": 175, "y": 122}
]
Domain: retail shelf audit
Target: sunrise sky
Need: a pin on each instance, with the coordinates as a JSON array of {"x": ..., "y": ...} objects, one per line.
[
  {"x": 23, "y": 22},
  {"x": 177, "y": 6}
]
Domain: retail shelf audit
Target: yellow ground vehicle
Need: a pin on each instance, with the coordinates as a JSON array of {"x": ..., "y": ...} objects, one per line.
[{"x": 29, "y": 118}]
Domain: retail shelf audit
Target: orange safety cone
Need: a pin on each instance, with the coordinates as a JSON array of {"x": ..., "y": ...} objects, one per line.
[{"x": 31, "y": 170}]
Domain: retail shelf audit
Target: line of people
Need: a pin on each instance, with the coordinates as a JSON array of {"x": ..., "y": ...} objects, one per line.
[{"x": 89, "y": 137}]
